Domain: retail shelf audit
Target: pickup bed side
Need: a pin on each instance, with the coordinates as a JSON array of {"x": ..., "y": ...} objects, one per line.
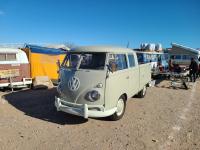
[{"x": 144, "y": 75}]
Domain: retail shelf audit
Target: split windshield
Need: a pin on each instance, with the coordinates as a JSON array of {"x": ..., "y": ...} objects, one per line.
[{"x": 94, "y": 61}]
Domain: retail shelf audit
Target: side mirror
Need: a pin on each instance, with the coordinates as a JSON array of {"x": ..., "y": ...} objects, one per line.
[{"x": 111, "y": 67}]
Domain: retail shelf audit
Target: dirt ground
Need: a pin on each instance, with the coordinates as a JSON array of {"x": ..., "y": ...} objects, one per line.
[{"x": 166, "y": 119}]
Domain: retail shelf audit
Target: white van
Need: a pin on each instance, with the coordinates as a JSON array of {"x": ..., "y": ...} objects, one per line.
[{"x": 97, "y": 81}]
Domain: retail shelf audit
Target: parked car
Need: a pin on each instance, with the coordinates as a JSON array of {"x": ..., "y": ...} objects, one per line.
[{"x": 97, "y": 81}]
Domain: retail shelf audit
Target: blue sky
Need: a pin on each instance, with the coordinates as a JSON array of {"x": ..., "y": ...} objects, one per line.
[{"x": 100, "y": 22}]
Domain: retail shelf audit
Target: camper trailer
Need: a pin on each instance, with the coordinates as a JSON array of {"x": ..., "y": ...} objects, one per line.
[
  {"x": 43, "y": 61},
  {"x": 14, "y": 68},
  {"x": 182, "y": 55}
]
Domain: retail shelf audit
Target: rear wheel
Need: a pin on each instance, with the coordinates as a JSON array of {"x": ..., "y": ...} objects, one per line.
[
  {"x": 121, "y": 106},
  {"x": 142, "y": 93}
]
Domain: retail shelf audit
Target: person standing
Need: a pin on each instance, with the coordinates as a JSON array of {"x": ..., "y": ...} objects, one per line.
[
  {"x": 193, "y": 70},
  {"x": 171, "y": 64},
  {"x": 198, "y": 73}
]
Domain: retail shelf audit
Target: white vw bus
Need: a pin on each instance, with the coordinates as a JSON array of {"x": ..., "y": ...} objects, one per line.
[{"x": 96, "y": 81}]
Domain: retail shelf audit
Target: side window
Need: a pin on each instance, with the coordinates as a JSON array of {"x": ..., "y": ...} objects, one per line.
[
  {"x": 166, "y": 56},
  {"x": 177, "y": 56},
  {"x": 11, "y": 57},
  {"x": 186, "y": 57},
  {"x": 140, "y": 58},
  {"x": 117, "y": 62},
  {"x": 154, "y": 58},
  {"x": 121, "y": 62},
  {"x": 8, "y": 57},
  {"x": 159, "y": 58},
  {"x": 131, "y": 60},
  {"x": 148, "y": 58},
  {"x": 2, "y": 57}
]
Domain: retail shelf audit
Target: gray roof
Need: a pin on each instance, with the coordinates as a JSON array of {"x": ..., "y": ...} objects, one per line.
[
  {"x": 113, "y": 49},
  {"x": 186, "y": 48}
]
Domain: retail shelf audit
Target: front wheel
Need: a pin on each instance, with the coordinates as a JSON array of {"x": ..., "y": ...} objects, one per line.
[
  {"x": 121, "y": 106},
  {"x": 142, "y": 93}
]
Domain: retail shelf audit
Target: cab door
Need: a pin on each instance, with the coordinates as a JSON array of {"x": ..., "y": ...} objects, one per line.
[
  {"x": 117, "y": 81},
  {"x": 133, "y": 74}
]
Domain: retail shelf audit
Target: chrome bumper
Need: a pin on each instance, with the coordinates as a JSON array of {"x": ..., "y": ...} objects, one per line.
[{"x": 83, "y": 110}]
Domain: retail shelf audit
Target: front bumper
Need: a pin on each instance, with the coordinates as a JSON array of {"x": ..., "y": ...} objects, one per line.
[{"x": 83, "y": 110}]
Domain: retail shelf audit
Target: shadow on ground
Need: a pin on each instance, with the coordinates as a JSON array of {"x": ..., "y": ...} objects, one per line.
[
  {"x": 40, "y": 104},
  {"x": 158, "y": 79}
]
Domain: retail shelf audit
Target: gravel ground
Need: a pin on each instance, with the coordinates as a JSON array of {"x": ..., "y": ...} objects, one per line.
[{"x": 165, "y": 119}]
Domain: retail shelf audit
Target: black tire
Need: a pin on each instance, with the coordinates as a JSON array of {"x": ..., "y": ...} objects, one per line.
[
  {"x": 142, "y": 93},
  {"x": 119, "y": 114}
]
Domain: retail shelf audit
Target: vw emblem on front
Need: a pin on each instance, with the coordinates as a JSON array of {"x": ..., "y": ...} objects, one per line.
[{"x": 73, "y": 84}]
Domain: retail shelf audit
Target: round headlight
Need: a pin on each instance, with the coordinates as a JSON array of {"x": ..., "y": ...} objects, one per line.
[
  {"x": 92, "y": 96},
  {"x": 95, "y": 95}
]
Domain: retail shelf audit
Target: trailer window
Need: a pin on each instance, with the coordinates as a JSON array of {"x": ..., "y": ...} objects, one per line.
[
  {"x": 11, "y": 57},
  {"x": 177, "y": 56},
  {"x": 2, "y": 57},
  {"x": 8, "y": 57},
  {"x": 165, "y": 56},
  {"x": 186, "y": 57}
]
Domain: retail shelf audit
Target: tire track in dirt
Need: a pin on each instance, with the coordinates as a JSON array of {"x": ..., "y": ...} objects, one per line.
[{"x": 168, "y": 144}]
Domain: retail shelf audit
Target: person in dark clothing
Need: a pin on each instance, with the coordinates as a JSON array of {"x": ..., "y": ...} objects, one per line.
[
  {"x": 193, "y": 70},
  {"x": 198, "y": 74}
]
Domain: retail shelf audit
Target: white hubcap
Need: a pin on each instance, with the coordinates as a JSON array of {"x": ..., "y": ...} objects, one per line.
[{"x": 120, "y": 107}]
